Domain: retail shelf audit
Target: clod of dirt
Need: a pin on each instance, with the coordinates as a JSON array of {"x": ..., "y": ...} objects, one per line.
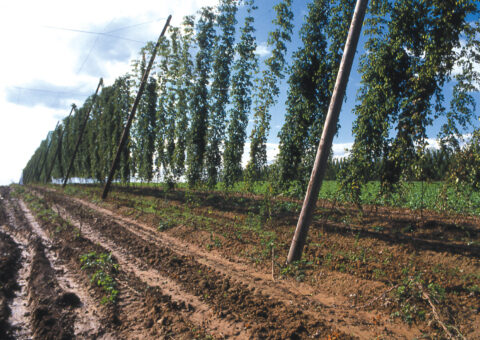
[
  {"x": 148, "y": 323},
  {"x": 68, "y": 300}
]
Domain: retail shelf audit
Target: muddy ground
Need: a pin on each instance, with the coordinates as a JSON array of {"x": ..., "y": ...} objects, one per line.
[{"x": 150, "y": 264}]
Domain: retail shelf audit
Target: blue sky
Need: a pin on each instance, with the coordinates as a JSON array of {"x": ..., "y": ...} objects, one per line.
[{"x": 51, "y": 59}]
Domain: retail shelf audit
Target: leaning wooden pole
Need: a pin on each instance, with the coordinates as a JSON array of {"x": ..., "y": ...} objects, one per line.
[
  {"x": 329, "y": 131},
  {"x": 126, "y": 130},
  {"x": 82, "y": 129},
  {"x": 57, "y": 150},
  {"x": 46, "y": 153}
]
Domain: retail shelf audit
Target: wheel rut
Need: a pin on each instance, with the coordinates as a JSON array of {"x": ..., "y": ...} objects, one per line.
[
  {"x": 223, "y": 289},
  {"x": 198, "y": 312},
  {"x": 36, "y": 313},
  {"x": 336, "y": 311},
  {"x": 15, "y": 323},
  {"x": 87, "y": 323},
  {"x": 66, "y": 298}
]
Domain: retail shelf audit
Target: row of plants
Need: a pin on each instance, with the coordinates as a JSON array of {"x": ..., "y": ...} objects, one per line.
[
  {"x": 192, "y": 121},
  {"x": 439, "y": 196}
]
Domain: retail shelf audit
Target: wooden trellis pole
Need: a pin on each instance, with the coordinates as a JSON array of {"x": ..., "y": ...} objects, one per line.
[
  {"x": 126, "y": 131},
  {"x": 55, "y": 155},
  {"x": 329, "y": 131},
  {"x": 82, "y": 129}
]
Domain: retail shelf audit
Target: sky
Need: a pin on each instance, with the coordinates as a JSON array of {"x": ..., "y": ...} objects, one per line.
[{"x": 51, "y": 58}]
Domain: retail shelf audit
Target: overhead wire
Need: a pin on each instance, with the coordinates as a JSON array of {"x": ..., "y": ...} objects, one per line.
[
  {"x": 136, "y": 25},
  {"x": 109, "y": 33},
  {"x": 106, "y": 34},
  {"x": 48, "y": 91},
  {"x": 91, "y": 49}
]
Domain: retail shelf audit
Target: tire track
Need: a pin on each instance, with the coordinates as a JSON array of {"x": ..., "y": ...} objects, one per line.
[
  {"x": 19, "y": 320},
  {"x": 334, "y": 311},
  {"x": 37, "y": 247},
  {"x": 87, "y": 323},
  {"x": 273, "y": 317},
  {"x": 198, "y": 312},
  {"x": 140, "y": 311},
  {"x": 39, "y": 315}
]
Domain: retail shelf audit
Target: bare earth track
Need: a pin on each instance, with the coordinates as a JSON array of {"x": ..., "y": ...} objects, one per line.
[
  {"x": 317, "y": 305},
  {"x": 194, "y": 282},
  {"x": 141, "y": 311},
  {"x": 250, "y": 313}
]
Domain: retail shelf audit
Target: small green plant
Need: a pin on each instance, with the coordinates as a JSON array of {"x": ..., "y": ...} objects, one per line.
[
  {"x": 474, "y": 289},
  {"x": 71, "y": 190},
  {"x": 165, "y": 225},
  {"x": 214, "y": 242},
  {"x": 379, "y": 274},
  {"x": 408, "y": 295},
  {"x": 296, "y": 269},
  {"x": 408, "y": 228},
  {"x": 286, "y": 207},
  {"x": 437, "y": 292},
  {"x": 18, "y": 191},
  {"x": 239, "y": 235},
  {"x": 192, "y": 198},
  {"x": 103, "y": 271}
]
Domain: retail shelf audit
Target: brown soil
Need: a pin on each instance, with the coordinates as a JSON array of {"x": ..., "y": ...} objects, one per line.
[
  {"x": 51, "y": 317},
  {"x": 9, "y": 258},
  {"x": 207, "y": 264},
  {"x": 259, "y": 316},
  {"x": 139, "y": 312}
]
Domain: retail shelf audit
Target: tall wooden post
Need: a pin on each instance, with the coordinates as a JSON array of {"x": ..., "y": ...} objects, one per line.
[
  {"x": 48, "y": 150},
  {"x": 82, "y": 129},
  {"x": 55, "y": 155},
  {"x": 126, "y": 130},
  {"x": 329, "y": 130}
]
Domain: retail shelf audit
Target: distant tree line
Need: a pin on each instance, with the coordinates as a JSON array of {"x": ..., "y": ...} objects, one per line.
[
  {"x": 192, "y": 120},
  {"x": 437, "y": 165}
]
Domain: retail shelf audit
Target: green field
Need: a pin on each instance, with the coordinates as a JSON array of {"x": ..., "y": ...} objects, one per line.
[{"x": 434, "y": 196}]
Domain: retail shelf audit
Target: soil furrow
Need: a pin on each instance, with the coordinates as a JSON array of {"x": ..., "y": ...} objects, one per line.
[
  {"x": 10, "y": 256},
  {"x": 336, "y": 311},
  {"x": 221, "y": 293},
  {"x": 51, "y": 318},
  {"x": 65, "y": 295},
  {"x": 48, "y": 318},
  {"x": 86, "y": 323},
  {"x": 18, "y": 326},
  {"x": 140, "y": 312},
  {"x": 195, "y": 310}
]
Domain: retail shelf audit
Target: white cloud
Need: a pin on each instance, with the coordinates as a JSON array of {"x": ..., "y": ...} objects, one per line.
[
  {"x": 272, "y": 152},
  {"x": 457, "y": 67},
  {"x": 263, "y": 50},
  {"x": 433, "y": 143},
  {"x": 35, "y": 53},
  {"x": 341, "y": 150}
]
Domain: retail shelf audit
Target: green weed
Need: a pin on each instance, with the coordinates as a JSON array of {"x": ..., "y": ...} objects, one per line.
[
  {"x": 214, "y": 242},
  {"x": 296, "y": 269},
  {"x": 165, "y": 225},
  {"x": 103, "y": 271}
]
